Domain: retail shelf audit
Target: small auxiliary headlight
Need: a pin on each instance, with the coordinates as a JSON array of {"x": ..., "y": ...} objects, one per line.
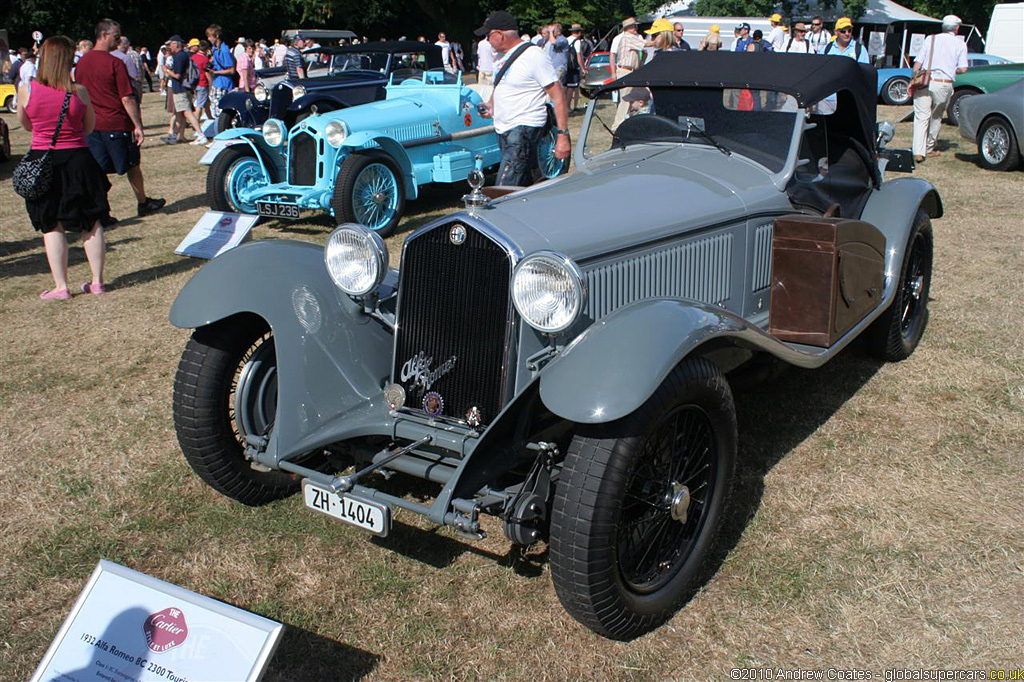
[
  {"x": 273, "y": 132},
  {"x": 298, "y": 91},
  {"x": 356, "y": 259},
  {"x": 548, "y": 290},
  {"x": 336, "y": 132},
  {"x": 260, "y": 92}
]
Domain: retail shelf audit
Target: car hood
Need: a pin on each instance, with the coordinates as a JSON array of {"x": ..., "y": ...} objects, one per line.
[
  {"x": 415, "y": 114},
  {"x": 634, "y": 196}
]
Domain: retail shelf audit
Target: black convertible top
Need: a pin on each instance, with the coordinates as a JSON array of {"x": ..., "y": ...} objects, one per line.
[
  {"x": 808, "y": 78},
  {"x": 400, "y": 46}
]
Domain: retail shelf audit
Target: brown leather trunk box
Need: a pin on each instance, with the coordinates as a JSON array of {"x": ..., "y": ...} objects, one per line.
[{"x": 827, "y": 274}]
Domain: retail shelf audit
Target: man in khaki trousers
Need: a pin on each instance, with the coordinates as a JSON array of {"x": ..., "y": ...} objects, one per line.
[
  {"x": 626, "y": 50},
  {"x": 944, "y": 55}
]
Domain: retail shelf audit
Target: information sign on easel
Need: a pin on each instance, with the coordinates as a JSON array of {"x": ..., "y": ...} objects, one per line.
[
  {"x": 130, "y": 627},
  {"x": 215, "y": 233}
]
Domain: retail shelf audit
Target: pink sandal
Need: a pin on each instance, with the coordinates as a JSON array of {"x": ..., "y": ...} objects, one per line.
[
  {"x": 89, "y": 288},
  {"x": 55, "y": 295}
]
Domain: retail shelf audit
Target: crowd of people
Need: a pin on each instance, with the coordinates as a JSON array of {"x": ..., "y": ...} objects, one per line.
[{"x": 81, "y": 101}]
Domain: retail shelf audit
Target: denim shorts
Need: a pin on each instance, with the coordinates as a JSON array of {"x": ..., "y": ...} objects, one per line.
[
  {"x": 114, "y": 150},
  {"x": 202, "y": 96}
]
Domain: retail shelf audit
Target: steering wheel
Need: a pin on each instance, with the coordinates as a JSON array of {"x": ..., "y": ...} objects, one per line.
[{"x": 647, "y": 128}]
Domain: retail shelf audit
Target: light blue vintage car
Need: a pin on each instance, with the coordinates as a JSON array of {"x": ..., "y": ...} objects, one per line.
[
  {"x": 563, "y": 357},
  {"x": 361, "y": 164}
]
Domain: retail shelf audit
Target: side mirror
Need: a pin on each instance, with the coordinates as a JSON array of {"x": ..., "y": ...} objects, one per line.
[{"x": 886, "y": 131}]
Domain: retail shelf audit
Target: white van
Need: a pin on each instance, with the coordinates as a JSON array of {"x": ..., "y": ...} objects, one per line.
[{"x": 1006, "y": 32}]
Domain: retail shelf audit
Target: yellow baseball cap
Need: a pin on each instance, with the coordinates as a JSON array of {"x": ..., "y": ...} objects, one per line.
[
  {"x": 194, "y": 42},
  {"x": 843, "y": 22},
  {"x": 777, "y": 18},
  {"x": 659, "y": 26},
  {"x": 715, "y": 28}
]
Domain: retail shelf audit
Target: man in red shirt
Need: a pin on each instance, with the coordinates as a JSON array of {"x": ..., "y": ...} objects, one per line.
[{"x": 118, "y": 134}]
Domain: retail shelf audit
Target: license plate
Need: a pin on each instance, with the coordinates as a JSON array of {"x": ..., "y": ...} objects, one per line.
[
  {"x": 272, "y": 210},
  {"x": 370, "y": 516}
]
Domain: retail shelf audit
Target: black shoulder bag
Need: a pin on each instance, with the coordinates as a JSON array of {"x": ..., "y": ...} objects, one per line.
[{"x": 32, "y": 179}]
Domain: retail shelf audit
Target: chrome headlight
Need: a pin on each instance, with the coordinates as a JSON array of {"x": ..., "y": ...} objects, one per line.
[
  {"x": 548, "y": 291},
  {"x": 260, "y": 93},
  {"x": 336, "y": 132},
  {"x": 356, "y": 259},
  {"x": 273, "y": 132},
  {"x": 298, "y": 91}
]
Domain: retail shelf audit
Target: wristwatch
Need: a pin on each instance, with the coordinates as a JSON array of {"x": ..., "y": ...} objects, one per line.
[{"x": 561, "y": 131}]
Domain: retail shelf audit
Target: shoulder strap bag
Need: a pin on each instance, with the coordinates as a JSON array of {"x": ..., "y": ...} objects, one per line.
[
  {"x": 32, "y": 178},
  {"x": 508, "y": 62},
  {"x": 923, "y": 77}
]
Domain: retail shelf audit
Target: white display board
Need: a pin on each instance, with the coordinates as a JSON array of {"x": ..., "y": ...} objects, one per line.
[
  {"x": 876, "y": 44},
  {"x": 916, "y": 43},
  {"x": 130, "y": 627},
  {"x": 215, "y": 233}
]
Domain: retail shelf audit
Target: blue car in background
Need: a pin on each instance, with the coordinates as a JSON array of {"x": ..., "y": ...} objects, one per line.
[
  {"x": 894, "y": 83},
  {"x": 361, "y": 164}
]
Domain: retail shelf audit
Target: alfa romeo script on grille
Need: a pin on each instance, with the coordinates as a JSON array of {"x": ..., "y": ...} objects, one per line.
[{"x": 418, "y": 369}]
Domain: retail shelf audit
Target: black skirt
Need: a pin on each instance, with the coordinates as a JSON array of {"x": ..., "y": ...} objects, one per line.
[{"x": 78, "y": 194}]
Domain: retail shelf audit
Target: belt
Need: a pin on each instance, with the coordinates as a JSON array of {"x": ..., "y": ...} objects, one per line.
[
  {"x": 626, "y": 68},
  {"x": 942, "y": 80}
]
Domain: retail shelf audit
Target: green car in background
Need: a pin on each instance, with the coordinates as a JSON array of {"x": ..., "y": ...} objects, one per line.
[{"x": 981, "y": 80}]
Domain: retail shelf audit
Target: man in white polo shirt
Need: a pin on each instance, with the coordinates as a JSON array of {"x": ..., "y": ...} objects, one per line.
[
  {"x": 519, "y": 101},
  {"x": 944, "y": 55}
]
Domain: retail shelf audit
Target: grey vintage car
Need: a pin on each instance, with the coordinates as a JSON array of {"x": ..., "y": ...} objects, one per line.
[{"x": 560, "y": 357}]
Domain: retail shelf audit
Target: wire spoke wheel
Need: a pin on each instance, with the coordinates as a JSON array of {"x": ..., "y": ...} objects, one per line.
[
  {"x": 368, "y": 191},
  {"x": 640, "y": 502},
  {"x": 666, "y": 499},
  {"x": 995, "y": 144},
  {"x": 550, "y": 166}
]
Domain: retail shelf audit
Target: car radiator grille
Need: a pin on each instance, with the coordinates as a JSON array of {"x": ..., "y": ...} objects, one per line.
[
  {"x": 455, "y": 304},
  {"x": 302, "y": 160}
]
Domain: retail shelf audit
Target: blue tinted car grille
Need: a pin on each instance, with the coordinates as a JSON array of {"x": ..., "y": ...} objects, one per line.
[{"x": 302, "y": 160}]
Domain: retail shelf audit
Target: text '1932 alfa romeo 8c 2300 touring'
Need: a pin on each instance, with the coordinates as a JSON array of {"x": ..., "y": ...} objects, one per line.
[{"x": 572, "y": 377}]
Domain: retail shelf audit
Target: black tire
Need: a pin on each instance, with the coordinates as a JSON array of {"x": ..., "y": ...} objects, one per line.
[
  {"x": 9, "y": 105},
  {"x": 225, "y": 166},
  {"x": 896, "y": 91},
  {"x": 223, "y": 372},
  {"x": 895, "y": 335},
  {"x": 227, "y": 120},
  {"x": 998, "y": 147},
  {"x": 345, "y": 186},
  {"x": 5, "y": 145},
  {"x": 600, "y": 574},
  {"x": 953, "y": 108}
]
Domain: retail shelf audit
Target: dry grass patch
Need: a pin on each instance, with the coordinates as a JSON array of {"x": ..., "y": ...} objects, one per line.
[{"x": 878, "y": 522}]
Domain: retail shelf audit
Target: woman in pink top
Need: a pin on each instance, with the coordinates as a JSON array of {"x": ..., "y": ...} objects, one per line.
[
  {"x": 77, "y": 198},
  {"x": 246, "y": 68}
]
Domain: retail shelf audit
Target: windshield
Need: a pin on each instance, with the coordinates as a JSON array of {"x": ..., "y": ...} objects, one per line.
[
  {"x": 757, "y": 124},
  {"x": 355, "y": 61}
]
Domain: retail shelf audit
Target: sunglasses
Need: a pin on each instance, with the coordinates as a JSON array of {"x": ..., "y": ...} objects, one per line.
[
  {"x": 815, "y": 24},
  {"x": 844, "y": 30}
]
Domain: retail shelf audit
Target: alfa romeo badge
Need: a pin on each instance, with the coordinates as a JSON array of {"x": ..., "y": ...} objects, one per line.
[
  {"x": 457, "y": 235},
  {"x": 433, "y": 404}
]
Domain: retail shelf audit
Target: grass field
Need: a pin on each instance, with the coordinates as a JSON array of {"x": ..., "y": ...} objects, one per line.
[{"x": 880, "y": 522}]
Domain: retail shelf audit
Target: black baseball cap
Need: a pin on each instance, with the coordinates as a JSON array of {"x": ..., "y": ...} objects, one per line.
[
  {"x": 498, "y": 21},
  {"x": 176, "y": 39}
]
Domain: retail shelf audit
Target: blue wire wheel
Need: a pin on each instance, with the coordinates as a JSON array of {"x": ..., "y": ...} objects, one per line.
[
  {"x": 244, "y": 174},
  {"x": 375, "y": 196},
  {"x": 550, "y": 167}
]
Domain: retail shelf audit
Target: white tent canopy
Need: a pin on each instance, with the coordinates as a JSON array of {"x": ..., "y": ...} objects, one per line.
[{"x": 878, "y": 12}]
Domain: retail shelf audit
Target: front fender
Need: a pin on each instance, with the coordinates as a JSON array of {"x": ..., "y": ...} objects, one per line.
[
  {"x": 304, "y": 103},
  {"x": 393, "y": 148},
  {"x": 332, "y": 358},
  {"x": 270, "y": 158},
  {"x": 614, "y": 366}
]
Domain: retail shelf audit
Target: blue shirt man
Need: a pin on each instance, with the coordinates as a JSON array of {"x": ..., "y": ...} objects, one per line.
[
  {"x": 222, "y": 59},
  {"x": 744, "y": 38},
  {"x": 844, "y": 45}
]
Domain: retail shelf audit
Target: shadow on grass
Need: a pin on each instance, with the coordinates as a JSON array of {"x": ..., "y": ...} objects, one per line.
[
  {"x": 7, "y": 167},
  {"x": 156, "y": 272},
  {"x": 429, "y": 546},
  {"x": 186, "y": 204},
  {"x": 303, "y": 655},
  {"x": 35, "y": 263}
]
